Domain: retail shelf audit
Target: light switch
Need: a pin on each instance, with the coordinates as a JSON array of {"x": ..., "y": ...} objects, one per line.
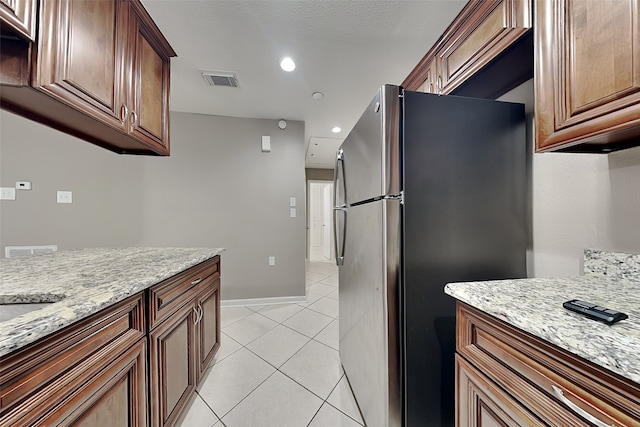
[
  {"x": 266, "y": 144},
  {"x": 7, "y": 193},
  {"x": 292, "y": 213},
  {"x": 292, "y": 201},
  {"x": 65, "y": 197}
]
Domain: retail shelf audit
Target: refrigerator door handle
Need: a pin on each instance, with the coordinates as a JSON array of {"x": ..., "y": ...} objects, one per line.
[
  {"x": 338, "y": 240},
  {"x": 338, "y": 175}
]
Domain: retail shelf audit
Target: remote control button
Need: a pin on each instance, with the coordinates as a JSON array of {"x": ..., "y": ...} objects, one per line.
[
  {"x": 584, "y": 304},
  {"x": 611, "y": 312},
  {"x": 597, "y": 307}
]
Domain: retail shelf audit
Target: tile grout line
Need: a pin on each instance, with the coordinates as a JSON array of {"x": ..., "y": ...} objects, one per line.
[{"x": 277, "y": 369}]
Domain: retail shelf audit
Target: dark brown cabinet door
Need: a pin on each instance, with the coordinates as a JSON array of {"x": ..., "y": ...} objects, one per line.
[
  {"x": 115, "y": 396},
  {"x": 486, "y": 34},
  {"x": 81, "y": 52},
  {"x": 489, "y": 28},
  {"x": 482, "y": 404},
  {"x": 587, "y": 75},
  {"x": 18, "y": 17},
  {"x": 172, "y": 365},
  {"x": 100, "y": 70},
  {"x": 149, "y": 118},
  {"x": 208, "y": 326},
  {"x": 430, "y": 84}
]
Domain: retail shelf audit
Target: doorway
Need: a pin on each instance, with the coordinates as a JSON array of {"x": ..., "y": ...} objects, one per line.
[{"x": 320, "y": 220}]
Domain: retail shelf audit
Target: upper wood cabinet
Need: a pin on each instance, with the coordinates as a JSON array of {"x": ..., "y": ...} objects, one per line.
[
  {"x": 99, "y": 70},
  {"x": 587, "y": 75},
  {"x": 430, "y": 75},
  {"x": 149, "y": 100},
  {"x": 85, "y": 66},
  {"x": 482, "y": 32},
  {"x": 18, "y": 17}
]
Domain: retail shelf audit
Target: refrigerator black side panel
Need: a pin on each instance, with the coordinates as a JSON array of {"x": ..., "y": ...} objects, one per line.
[{"x": 464, "y": 219}]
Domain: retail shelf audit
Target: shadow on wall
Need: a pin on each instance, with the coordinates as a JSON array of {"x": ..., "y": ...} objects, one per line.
[{"x": 624, "y": 178}]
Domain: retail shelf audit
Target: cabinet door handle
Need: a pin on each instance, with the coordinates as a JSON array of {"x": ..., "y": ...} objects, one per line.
[
  {"x": 439, "y": 87},
  {"x": 201, "y": 311},
  {"x": 195, "y": 282},
  {"x": 578, "y": 410},
  {"x": 195, "y": 312},
  {"x": 124, "y": 112},
  {"x": 134, "y": 119}
]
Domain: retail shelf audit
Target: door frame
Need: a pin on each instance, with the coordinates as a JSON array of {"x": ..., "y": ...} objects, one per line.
[{"x": 308, "y": 215}]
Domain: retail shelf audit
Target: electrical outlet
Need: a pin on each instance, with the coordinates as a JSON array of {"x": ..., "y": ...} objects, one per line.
[
  {"x": 272, "y": 260},
  {"x": 65, "y": 197},
  {"x": 7, "y": 193},
  {"x": 23, "y": 185}
]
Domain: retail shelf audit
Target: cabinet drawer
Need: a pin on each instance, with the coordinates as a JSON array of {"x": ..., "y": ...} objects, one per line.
[
  {"x": 168, "y": 296},
  {"x": 25, "y": 373},
  {"x": 482, "y": 403},
  {"x": 544, "y": 377}
]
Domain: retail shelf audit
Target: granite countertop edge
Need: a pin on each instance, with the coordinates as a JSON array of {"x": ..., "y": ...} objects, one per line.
[
  {"x": 535, "y": 306},
  {"x": 80, "y": 283}
]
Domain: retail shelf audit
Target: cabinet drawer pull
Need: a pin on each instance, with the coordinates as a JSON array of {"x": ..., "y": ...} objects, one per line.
[
  {"x": 578, "y": 410},
  {"x": 198, "y": 280}
]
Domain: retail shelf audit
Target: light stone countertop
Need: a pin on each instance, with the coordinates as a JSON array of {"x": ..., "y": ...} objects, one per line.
[
  {"x": 535, "y": 306},
  {"x": 81, "y": 283}
]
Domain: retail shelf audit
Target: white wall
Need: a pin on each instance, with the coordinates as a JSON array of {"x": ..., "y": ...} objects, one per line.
[
  {"x": 579, "y": 201},
  {"x": 217, "y": 189}
]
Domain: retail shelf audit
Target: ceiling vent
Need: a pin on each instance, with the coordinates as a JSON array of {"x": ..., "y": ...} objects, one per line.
[{"x": 220, "y": 78}]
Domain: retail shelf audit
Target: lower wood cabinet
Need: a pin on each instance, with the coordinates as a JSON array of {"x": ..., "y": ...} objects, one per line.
[
  {"x": 172, "y": 365},
  {"x": 482, "y": 403},
  {"x": 182, "y": 344},
  {"x": 91, "y": 373},
  {"x": 506, "y": 377},
  {"x": 114, "y": 396},
  {"x": 133, "y": 364},
  {"x": 208, "y": 327}
]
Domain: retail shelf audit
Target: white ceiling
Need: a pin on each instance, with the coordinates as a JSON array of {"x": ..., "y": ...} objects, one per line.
[{"x": 345, "y": 49}]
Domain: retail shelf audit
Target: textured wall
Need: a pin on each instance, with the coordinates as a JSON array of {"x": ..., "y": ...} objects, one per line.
[
  {"x": 217, "y": 189},
  {"x": 579, "y": 201}
]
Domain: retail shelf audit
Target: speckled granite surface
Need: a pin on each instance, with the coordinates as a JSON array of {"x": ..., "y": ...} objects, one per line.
[
  {"x": 81, "y": 283},
  {"x": 614, "y": 265},
  {"x": 535, "y": 306}
]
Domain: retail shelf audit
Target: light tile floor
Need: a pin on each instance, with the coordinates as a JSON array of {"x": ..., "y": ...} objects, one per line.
[{"x": 278, "y": 365}]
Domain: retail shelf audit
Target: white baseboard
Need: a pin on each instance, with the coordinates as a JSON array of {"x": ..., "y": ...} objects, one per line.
[{"x": 261, "y": 301}]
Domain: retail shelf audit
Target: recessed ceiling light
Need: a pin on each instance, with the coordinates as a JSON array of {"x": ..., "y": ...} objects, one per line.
[
  {"x": 336, "y": 129},
  {"x": 317, "y": 95},
  {"x": 287, "y": 64}
]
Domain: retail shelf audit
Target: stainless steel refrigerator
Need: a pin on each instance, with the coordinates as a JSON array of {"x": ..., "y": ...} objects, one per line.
[{"x": 429, "y": 190}]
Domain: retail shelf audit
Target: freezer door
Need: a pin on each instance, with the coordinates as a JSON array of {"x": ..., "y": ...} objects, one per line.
[
  {"x": 370, "y": 154},
  {"x": 369, "y": 280}
]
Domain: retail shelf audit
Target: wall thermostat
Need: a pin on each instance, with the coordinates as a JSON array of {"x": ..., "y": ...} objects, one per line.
[{"x": 282, "y": 124}]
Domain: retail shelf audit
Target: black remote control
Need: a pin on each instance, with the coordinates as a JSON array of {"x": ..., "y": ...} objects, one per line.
[{"x": 594, "y": 311}]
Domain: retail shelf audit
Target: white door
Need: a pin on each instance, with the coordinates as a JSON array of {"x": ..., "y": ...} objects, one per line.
[
  {"x": 316, "y": 208},
  {"x": 326, "y": 220}
]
